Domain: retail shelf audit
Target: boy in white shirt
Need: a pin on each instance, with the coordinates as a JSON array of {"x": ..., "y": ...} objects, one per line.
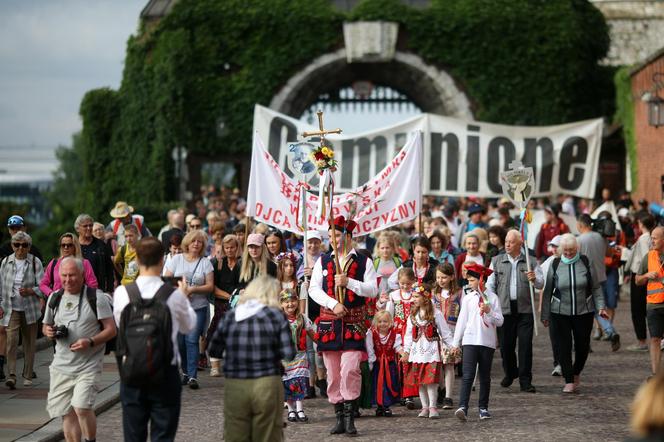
[{"x": 476, "y": 332}]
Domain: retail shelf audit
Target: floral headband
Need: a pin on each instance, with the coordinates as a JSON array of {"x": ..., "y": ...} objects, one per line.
[
  {"x": 287, "y": 294},
  {"x": 421, "y": 290},
  {"x": 287, "y": 255}
]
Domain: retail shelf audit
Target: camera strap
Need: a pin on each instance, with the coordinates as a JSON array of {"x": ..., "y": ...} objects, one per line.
[{"x": 56, "y": 297}]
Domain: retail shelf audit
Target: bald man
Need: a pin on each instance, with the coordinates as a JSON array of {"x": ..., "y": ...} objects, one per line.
[
  {"x": 651, "y": 275},
  {"x": 510, "y": 282}
]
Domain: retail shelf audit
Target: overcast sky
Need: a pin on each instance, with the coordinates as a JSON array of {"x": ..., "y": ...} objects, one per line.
[{"x": 51, "y": 53}]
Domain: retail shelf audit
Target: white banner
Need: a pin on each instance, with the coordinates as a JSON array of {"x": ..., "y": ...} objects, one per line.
[
  {"x": 391, "y": 197},
  {"x": 461, "y": 158}
]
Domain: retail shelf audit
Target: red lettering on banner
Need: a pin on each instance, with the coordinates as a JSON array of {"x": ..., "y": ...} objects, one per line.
[{"x": 413, "y": 205}]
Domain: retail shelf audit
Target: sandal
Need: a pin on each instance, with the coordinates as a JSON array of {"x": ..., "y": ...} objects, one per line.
[
  {"x": 292, "y": 417},
  {"x": 301, "y": 417}
]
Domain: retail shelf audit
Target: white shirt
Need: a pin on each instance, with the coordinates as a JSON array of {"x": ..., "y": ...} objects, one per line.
[
  {"x": 367, "y": 288},
  {"x": 424, "y": 351},
  {"x": 182, "y": 315},
  {"x": 473, "y": 329},
  {"x": 16, "y": 298}
]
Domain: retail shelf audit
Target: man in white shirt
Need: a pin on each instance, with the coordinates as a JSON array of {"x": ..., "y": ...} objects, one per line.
[
  {"x": 160, "y": 405},
  {"x": 342, "y": 326}
]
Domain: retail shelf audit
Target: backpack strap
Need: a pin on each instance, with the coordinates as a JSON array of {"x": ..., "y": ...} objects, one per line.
[
  {"x": 91, "y": 294},
  {"x": 164, "y": 292},
  {"x": 54, "y": 300},
  {"x": 134, "y": 293}
]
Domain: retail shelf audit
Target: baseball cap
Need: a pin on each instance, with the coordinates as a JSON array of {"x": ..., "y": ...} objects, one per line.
[
  {"x": 555, "y": 241},
  {"x": 314, "y": 234},
  {"x": 15, "y": 221},
  {"x": 255, "y": 239}
]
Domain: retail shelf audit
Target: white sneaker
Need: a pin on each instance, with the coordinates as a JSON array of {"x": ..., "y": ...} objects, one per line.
[
  {"x": 424, "y": 413},
  {"x": 433, "y": 413},
  {"x": 461, "y": 414},
  {"x": 557, "y": 371},
  {"x": 27, "y": 382}
]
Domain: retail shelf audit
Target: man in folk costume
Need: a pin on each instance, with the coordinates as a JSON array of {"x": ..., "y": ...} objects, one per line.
[{"x": 342, "y": 326}]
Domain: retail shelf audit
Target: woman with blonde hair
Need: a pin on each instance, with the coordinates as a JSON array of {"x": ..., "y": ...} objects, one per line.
[
  {"x": 255, "y": 338},
  {"x": 226, "y": 264},
  {"x": 69, "y": 246},
  {"x": 648, "y": 410},
  {"x": 198, "y": 277},
  {"x": 256, "y": 260}
]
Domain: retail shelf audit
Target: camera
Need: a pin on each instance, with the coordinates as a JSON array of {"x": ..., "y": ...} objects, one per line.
[
  {"x": 61, "y": 331},
  {"x": 605, "y": 227}
]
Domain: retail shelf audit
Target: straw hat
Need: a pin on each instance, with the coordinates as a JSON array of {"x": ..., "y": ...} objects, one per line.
[{"x": 121, "y": 210}]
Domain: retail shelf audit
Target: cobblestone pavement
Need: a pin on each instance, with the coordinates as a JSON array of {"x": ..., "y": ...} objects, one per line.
[{"x": 600, "y": 412}]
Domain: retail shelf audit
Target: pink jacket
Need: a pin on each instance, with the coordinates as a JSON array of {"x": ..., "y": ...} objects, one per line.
[{"x": 47, "y": 286}]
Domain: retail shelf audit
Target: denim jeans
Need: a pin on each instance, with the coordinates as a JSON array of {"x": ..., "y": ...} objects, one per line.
[{"x": 189, "y": 350}]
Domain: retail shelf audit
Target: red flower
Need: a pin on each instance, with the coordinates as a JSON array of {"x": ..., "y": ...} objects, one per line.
[
  {"x": 351, "y": 297},
  {"x": 319, "y": 156},
  {"x": 348, "y": 334},
  {"x": 332, "y": 336}
]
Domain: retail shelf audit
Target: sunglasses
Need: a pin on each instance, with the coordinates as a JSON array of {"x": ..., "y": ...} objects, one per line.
[
  {"x": 21, "y": 245},
  {"x": 195, "y": 226},
  {"x": 67, "y": 245}
]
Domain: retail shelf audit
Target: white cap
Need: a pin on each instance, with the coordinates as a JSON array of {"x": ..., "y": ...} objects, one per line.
[
  {"x": 555, "y": 241},
  {"x": 623, "y": 212},
  {"x": 314, "y": 234}
]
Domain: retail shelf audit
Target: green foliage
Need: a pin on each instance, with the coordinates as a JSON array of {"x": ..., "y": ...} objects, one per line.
[
  {"x": 520, "y": 62},
  {"x": 625, "y": 116}
]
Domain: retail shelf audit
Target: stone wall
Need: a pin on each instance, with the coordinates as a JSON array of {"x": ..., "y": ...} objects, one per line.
[{"x": 636, "y": 29}]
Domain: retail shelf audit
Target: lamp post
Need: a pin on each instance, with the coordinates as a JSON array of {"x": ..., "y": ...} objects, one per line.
[{"x": 656, "y": 103}]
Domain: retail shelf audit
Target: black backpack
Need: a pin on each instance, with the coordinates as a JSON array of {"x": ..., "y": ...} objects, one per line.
[
  {"x": 145, "y": 349},
  {"x": 90, "y": 293},
  {"x": 589, "y": 281}
]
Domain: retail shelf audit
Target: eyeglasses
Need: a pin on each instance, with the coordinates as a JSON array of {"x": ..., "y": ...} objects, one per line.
[
  {"x": 66, "y": 245},
  {"x": 21, "y": 245}
]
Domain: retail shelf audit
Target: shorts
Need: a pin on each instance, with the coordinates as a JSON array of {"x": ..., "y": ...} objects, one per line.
[
  {"x": 656, "y": 322},
  {"x": 67, "y": 391}
]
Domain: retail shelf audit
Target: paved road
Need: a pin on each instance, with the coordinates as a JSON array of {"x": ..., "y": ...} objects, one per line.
[{"x": 599, "y": 412}]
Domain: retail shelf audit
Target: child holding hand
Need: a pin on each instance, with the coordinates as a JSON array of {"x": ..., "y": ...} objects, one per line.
[
  {"x": 422, "y": 347},
  {"x": 384, "y": 346}
]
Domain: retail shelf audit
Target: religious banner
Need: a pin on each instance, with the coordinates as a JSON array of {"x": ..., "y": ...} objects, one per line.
[
  {"x": 391, "y": 197},
  {"x": 462, "y": 158}
]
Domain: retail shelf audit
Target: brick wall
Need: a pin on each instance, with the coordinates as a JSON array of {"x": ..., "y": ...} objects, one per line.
[{"x": 649, "y": 140}]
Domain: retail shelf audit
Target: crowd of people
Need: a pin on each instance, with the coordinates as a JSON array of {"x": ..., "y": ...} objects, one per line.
[{"x": 378, "y": 321}]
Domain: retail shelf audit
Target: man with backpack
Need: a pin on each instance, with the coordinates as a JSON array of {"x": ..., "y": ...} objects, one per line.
[
  {"x": 80, "y": 320},
  {"x": 150, "y": 314}
]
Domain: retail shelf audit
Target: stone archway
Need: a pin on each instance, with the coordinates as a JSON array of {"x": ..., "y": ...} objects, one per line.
[{"x": 430, "y": 88}]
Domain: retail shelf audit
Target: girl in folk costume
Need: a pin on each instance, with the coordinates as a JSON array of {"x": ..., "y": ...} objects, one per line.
[
  {"x": 398, "y": 304},
  {"x": 296, "y": 371},
  {"x": 447, "y": 299},
  {"x": 286, "y": 265},
  {"x": 384, "y": 347},
  {"x": 426, "y": 327},
  {"x": 476, "y": 331}
]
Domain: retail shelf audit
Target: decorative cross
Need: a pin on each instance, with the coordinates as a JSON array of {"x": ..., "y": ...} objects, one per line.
[
  {"x": 515, "y": 165},
  {"x": 322, "y": 132}
]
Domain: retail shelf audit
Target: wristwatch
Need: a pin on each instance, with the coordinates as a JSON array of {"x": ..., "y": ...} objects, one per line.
[{"x": 92, "y": 342}]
